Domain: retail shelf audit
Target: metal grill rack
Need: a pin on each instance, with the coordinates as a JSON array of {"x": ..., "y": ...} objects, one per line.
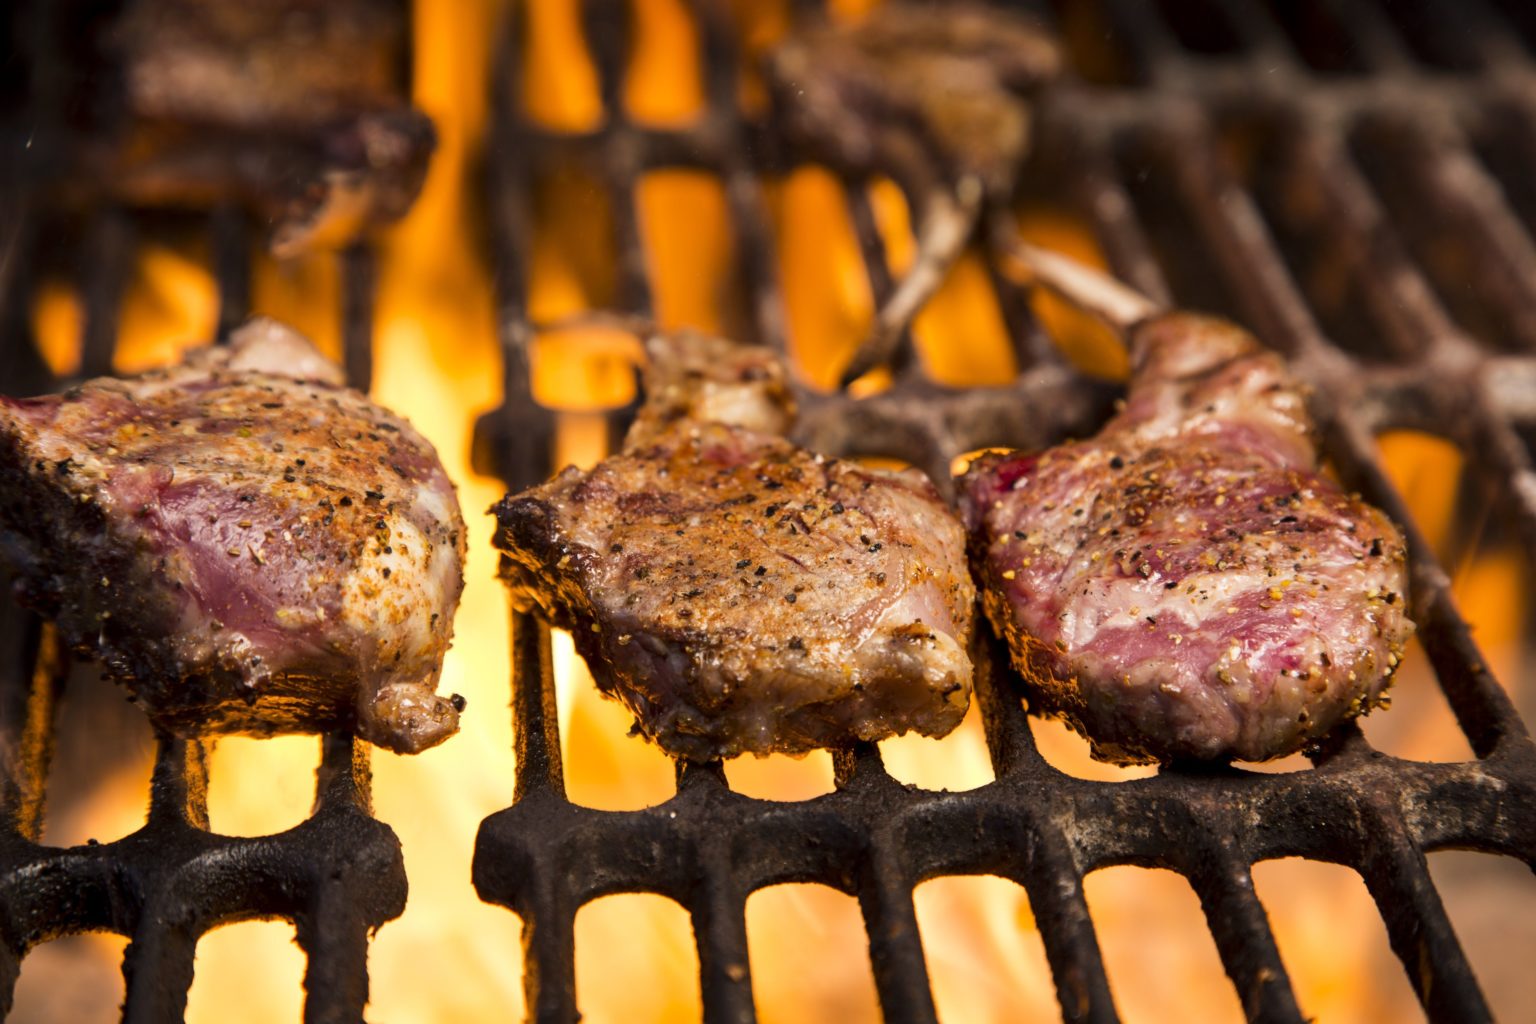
[
  {"x": 1278, "y": 136},
  {"x": 338, "y": 875}
]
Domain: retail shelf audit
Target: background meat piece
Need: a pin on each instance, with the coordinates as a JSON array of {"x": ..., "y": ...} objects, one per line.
[
  {"x": 695, "y": 378},
  {"x": 1186, "y": 584},
  {"x": 739, "y": 593},
  {"x": 937, "y": 96},
  {"x": 296, "y": 109},
  {"x": 948, "y": 81},
  {"x": 244, "y": 542}
]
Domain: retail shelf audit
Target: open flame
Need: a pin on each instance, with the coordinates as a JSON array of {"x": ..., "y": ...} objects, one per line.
[{"x": 451, "y": 957}]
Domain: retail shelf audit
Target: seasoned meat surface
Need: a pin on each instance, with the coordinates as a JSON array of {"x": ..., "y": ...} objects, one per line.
[
  {"x": 951, "y": 79},
  {"x": 242, "y": 541},
  {"x": 297, "y": 110},
  {"x": 739, "y": 593},
  {"x": 1187, "y": 584},
  {"x": 700, "y": 378}
]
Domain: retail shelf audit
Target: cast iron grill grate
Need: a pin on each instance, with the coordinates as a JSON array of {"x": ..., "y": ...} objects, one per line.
[
  {"x": 338, "y": 875},
  {"x": 1280, "y": 136}
]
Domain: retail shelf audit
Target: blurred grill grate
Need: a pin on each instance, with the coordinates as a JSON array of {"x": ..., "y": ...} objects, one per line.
[
  {"x": 1275, "y": 136},
  {"x": 337, "y": 876},
  {"x": 1314, "y": 86}
]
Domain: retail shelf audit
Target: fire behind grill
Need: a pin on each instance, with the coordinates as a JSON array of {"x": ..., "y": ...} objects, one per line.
[
  {"x": 1278, "y": 138},
  {"x": 1216, "y": 79}
]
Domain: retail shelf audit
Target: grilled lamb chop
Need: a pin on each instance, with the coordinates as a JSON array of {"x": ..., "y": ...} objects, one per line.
[
  {"x": 940, "y": 95},
  {"x": 1186, "y": 584},
  {"x": 241, "y": 540},
  {"x": 739, "y": 593},
  {"x": 296, "y": 109}
]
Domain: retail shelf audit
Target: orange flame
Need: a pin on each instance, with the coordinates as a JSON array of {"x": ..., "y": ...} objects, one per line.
[{"x": 451, "y": 957}]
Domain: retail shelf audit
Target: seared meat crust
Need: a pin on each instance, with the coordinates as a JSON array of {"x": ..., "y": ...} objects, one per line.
[
  {"x": 739, "y": 593},
  {"x": 242, "y": 541},
  {"x": 1186, "y": 584}
]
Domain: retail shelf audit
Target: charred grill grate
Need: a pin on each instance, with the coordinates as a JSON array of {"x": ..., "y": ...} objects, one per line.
[
  {"x": 1282, "y": 137},
  {"x": 337, "y": 876},
  {"x": 1279, "y": 137}
]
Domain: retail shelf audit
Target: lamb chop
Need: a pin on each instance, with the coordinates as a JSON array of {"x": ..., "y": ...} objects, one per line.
[
  {"x": 242, "y": 541},
  {"x": 940, "y": 95},
  {"x": 736, "y": 592},
  {"x": 1186, "y": 584},
  {"x": 295, "y": 109}
]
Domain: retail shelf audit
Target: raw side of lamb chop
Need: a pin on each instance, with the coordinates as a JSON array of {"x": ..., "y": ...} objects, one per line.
[
  {"x": 242, "y": 541},
  {"x": 939, "y": 96},
  {"x": 296, "y": 109},
  {"x": 1187, "y": 585},
  {"x": 739, "y": 593}
]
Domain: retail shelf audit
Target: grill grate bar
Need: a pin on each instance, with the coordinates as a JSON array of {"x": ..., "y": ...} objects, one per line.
[
  {"x": 619, "y": 165},
  {"x": 1247, "y": 946},
  {"x": 877, "y": 267},
  {"x": 107, "y": 262},
  {"x": 1051, "y": 876},
  {"x": 1401, "y": 303},
  {"x": 27, "y": 704},
  {"x": 535, "y": 722},
  {"x": 231, "y": 243},
  {"x": 710, "y": 848},
  {"x": 359, "y": 276},
  {"x": 1104, "y": 202},
  {"x": 1501, "y": 255},
  {"x": 1378, "y": 44},
  {"x": 516, "y": 441},
  {"x": 1229, "y": 218},
  {"x": 157, "y": 967},
  {"x": 1417, "y": 926},
  {"x": 719, "y": 916},
  {"x": 895, "y": 949},
  {"x": 724, "y": 128}
]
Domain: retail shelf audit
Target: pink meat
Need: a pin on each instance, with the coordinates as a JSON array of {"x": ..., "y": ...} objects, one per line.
[{"x": 1186, "y": 584}]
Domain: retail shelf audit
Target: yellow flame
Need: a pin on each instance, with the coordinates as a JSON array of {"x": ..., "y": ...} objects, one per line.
[
  {"x": 451, "y": 957},
  {"x": 690, "y": 248},
  {"x": 1087, "y": 343},
  {"x": 984, "y": 951},
  {"x": 1157, "y": 947},
  {"x": 301, "y": 291},
  {"x": 959, "y": 334},
  {"x": 826, "y": 290},
  {"x": 664, "y": 83},
  {"x": 57, "y": 319},
  {"x": 759, "y": 24},
  {"x": 559, "y": 80},
  {"x": 170, "y": 306},
  {"x": 810, "y": 956}
]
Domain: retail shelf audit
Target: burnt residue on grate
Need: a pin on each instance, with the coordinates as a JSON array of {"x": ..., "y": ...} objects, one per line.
[{"x": 1222, "y": 153}]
